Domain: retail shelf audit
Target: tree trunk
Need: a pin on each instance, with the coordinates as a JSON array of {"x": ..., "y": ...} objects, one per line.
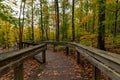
[
  {"x": 7, "y": 37},
  {"x": 57, "y": 19},
  {"x": 101, "y": 24},
  {"x": 101, "y": 33},
  {"x": 116, "y": 15},
  {"x": 46, "y": 29},
  {"x": 73, "y": 28},
  {"x": 23, "y": 15},
  {"x": 93, "y": 23},
  {"x": 32, "y": 25},
  {"x": 87, "y": 10},
  {"x": 41, "y": 20},
  {"x": 64, "y": 19},
  {"x": 63, "y": 10},
  {"x": 20, "y": 28}
]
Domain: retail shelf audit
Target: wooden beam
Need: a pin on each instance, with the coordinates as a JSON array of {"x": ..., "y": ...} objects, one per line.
[
  {"x": 18, "y": 72},
  {"x": 96, "y": 73},
  {"x": 78, "y": 57},
  {"x": 67, "y": 50},
  {"x": 44, "y": 56}
]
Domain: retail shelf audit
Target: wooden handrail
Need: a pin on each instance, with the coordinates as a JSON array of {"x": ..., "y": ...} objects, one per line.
[
  {"x": 14, "y": 60},
  {"x": 107, "y": 62}
]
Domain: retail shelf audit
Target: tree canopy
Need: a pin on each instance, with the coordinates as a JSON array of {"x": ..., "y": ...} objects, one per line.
[{"x": 66, "y": 20}]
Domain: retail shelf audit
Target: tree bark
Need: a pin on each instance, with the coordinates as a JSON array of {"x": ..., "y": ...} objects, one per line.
[
  {"x": 115, "y": 24},
  {"x": 23, "y": 15},
  {"x": 101, "y": 33},
  {"x": 101, "y": 24},
  {"x": 20, "y": 28},
  {"x": 32, "y": 25},
  {"x": 65, "y": 5},
  {"x": 57, "y": 20},
  {"x": 93, "y": 23},
  {"x": 73, "y": 28},
  {"x": 63, "y": 10},
  {"x": 41, "y": 20}
]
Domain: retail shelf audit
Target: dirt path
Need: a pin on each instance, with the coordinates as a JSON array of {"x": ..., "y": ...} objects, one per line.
[{"x": 58, "y": 67}]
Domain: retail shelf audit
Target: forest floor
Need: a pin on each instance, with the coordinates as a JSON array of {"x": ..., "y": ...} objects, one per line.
[
  {"x": 114, "y": 50},
  {"x": 83, "y": 70}
]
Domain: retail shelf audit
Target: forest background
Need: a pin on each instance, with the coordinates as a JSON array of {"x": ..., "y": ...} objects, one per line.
[{"x": 26, "y": 20}]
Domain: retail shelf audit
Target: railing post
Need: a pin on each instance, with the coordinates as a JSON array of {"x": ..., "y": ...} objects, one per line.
[
  {"x": 67, "y": 50},
  {"x": 54, "y": 48},
  {"x": 44, "y": 56},
  {"x": 18, "y": 72},
  {"x": 28, "y": 45},
  {"x": 96, "y": 73},
  {"x": 78, "y": 57},
  {"x": 109, "y": 79}
]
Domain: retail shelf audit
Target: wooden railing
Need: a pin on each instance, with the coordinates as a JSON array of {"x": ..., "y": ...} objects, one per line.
[
  {"x": 108, "y": 63},
  {"x": 29, "y": 43},
  {"x": 15, "y": 60}
]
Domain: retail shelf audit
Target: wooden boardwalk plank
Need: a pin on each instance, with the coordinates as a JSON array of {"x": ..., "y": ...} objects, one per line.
[{"x": 57, "y": 67}]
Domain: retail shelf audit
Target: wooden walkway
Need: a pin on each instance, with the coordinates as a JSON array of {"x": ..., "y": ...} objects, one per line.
[
  {"x": 62, "y": 67},
  {"x": 57, "y": 67}
]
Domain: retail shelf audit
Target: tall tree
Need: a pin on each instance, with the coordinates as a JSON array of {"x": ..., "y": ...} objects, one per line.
[
  {"x": 28, "y": 19},
  {"x": 86, "y": 8},
  {"x": 45, "y": 18},
  {"x": 41, "y": 18},
  {"x": 21, "y": 23},
  {"x": 73, "y": 28},
  {"x": 24, "y": 1},
  {"x": 64, "y": 23},
  {"x": 101, "y": 24},
  {"x": 20, "y": 28},
  {"x": 32, "y": 25},
  {"x": 57, "y": 19},
  {"x": 116, "y": 17},
  {"x": 101, "y": 32}
]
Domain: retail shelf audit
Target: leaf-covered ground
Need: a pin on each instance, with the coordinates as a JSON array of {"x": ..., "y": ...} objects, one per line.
[{"x": 115, "y": 49}]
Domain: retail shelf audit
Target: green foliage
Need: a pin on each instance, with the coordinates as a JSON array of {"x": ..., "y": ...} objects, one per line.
[
  {"x": 85, "y": 20},
  {"x": 6, "y": 13},
  {"x": 117, "y": 40},
  {"x": 61, "y": 48},
  {"x": 85, "y": 42},
  {"x": 23, "y": 0}
]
